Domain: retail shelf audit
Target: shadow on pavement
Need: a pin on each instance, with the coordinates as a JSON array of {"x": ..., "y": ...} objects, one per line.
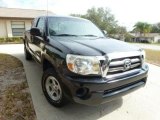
[{"x": 78, "y": 111}]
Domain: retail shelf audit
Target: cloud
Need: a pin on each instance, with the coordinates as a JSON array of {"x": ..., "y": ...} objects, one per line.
[{"x": 2, "y": 4}]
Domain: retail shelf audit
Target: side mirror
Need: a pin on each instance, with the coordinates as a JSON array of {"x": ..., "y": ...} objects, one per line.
[
  {"x": 104, "y": 32},
  {"x": 35, "y": 32}
]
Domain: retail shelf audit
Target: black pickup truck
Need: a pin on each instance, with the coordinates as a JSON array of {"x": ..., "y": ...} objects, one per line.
[{"x": 80, "y": 63}]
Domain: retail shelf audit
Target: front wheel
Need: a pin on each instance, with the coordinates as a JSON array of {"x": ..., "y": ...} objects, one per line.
[{"x": 52, "y": 89}]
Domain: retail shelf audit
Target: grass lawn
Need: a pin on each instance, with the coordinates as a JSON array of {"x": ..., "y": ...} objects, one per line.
[
  {"x": 155, "y": 44},
  {"x": 153, "y": 56},
  {"x": 145, "y": 43},
  {"x": 9, "y": 62},
  {"x": 11, "y": 40},
  {"x": 15, "y": 98}
]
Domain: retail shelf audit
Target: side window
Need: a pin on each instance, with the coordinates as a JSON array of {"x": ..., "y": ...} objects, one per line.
[{"x": 41, "y": 24}]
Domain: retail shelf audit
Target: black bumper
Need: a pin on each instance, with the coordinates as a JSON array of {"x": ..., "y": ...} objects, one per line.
[{"x": 94, "y": 91}]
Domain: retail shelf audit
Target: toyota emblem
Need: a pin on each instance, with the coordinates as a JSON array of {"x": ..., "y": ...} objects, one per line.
[{"x": 127, "y": 64}]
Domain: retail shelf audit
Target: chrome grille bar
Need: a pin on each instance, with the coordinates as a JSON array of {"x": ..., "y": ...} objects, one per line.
[
  {"x": 118, "y": 63},
  {"x": 114, "y": 63},
  {"x": 122, "y": 68}
]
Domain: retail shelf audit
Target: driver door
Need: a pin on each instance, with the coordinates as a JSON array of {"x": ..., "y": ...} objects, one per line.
[{"x": 38, "y": 41}]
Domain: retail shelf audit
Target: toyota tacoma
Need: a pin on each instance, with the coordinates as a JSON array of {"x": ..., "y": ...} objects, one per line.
[{"x": 81, "y": 63}]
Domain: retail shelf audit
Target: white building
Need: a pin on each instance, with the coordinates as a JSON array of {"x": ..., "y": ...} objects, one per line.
[
  {"x": 13, "y": 21},
  {"x": 148, "y": 37}
]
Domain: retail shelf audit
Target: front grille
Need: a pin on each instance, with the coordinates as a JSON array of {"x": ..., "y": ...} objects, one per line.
[{"x": 118, "y": 65}]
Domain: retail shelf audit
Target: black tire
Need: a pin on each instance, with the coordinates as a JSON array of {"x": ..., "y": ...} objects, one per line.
[
  {"x": 62, "y": 100},
  {"x": 28, "y": 56}
]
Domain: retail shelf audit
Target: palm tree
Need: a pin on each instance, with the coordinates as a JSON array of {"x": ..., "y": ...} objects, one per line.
[{"x": 142, "y": 28}]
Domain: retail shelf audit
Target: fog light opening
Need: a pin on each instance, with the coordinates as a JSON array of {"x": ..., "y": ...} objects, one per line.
[{"x": 82, "y": 93}]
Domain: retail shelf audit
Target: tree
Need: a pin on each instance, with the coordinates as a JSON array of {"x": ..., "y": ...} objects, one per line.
[
  {"x": 155, "y": 28},
  {"x": 143, "y": 28},
  {"x": 102, "y": 17},
  {"x": 121, "y": 30}
]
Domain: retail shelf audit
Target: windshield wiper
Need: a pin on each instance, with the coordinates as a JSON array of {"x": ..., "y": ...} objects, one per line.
[
  {"x": 90, "y": 35},
  {"x": 93, "y": 36},
  {"x": 65, "y": 35}
]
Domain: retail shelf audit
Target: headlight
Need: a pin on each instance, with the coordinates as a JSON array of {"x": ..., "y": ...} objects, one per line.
[
  {"x": 143, "y": 53},
  {"x": 83, "y": 65}
]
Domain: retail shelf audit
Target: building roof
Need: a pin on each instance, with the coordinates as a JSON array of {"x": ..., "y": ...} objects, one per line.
[
  {"x": 146, "y": 35},
  {"x": 21, "y": 13}
]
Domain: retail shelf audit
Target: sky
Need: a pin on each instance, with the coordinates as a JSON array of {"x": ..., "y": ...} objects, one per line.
[{"x": 126, "y": 12}]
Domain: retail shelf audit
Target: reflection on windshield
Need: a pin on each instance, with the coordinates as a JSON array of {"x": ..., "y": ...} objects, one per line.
[{"x": 60, "y": 26}]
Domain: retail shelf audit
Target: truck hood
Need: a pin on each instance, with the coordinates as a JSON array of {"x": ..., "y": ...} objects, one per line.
[{"x": 94, "y": 46}]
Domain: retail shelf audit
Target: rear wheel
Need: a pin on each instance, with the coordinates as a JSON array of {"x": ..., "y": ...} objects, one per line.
[
  {"x": 28, "y": 56},
  {"x": 52, "y": 88}
]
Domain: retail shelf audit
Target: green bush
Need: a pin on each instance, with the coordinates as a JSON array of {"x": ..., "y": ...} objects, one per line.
[{"x": 10, "y": 40}]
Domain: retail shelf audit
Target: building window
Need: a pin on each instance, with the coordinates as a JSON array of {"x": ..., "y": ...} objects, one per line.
[{"x": 18, "y": 28}]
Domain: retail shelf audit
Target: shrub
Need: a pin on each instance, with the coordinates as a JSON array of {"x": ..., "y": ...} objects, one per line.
[{"x": 10, "y": 40}]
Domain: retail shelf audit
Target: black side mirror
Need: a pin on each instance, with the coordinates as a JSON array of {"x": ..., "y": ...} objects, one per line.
[{"x": 35, "y": 32}]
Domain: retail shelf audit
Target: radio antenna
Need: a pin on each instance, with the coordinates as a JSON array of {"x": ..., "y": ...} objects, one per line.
[{"x": 47, "y": 7}]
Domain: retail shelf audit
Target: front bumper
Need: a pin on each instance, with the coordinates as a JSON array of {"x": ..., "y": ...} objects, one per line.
[{"x": 95, "y": 91}]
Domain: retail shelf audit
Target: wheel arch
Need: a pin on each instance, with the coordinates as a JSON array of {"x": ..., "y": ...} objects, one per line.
[{"x": 46, "y": 63}]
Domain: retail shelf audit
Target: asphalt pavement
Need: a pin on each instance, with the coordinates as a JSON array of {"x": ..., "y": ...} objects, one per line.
[{"x": 143, "y": 104}]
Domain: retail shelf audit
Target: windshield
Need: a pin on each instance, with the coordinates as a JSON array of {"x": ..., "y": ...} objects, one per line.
[{"x": 60, "y": 26}]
